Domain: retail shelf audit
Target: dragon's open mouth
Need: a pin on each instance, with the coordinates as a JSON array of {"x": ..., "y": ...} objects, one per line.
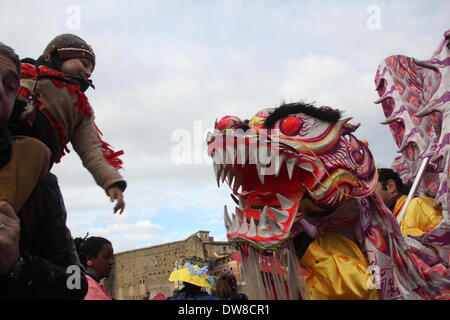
[
  {"x": 284, "y": 164},
  {"x": 267, "y": 199}
]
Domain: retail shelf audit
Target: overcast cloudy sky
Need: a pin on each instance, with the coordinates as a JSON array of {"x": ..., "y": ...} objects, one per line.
[{"x": 174, "y": 66}]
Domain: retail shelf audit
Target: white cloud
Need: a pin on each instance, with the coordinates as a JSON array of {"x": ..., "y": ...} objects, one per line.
[
  {"x": 145, "y": 227},
  {"x": 126, "y": 236},
  {"x": 164, "y": 64}
]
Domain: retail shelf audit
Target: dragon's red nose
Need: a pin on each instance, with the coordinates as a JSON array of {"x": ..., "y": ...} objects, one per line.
[{"x": 228, "y": 122}]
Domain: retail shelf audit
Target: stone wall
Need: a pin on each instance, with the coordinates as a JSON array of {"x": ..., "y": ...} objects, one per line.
[{"x": 145, "y": 272}]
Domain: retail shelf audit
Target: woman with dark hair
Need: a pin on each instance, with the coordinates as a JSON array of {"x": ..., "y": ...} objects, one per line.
[
  {"x": 226, "y": 287},
  {"x": 421, "y": 215},
  {"x": 97, "y": 255}
]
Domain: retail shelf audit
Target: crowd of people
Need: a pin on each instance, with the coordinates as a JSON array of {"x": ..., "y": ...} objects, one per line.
[
  {"x": 42, "y": 108},
  {"x": 195, "y": 280}
]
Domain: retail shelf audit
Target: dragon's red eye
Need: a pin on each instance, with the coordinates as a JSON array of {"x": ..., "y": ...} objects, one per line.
[{"x": 291, "y": 126}]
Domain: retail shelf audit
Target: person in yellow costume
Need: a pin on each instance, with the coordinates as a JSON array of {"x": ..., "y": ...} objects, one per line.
[
  {"x": 336, "y": 268},
  {"x": 421, "y": 216},
  {"x": 392, "y": 190}
]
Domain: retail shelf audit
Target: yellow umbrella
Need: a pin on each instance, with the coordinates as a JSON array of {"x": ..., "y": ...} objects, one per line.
[{"x": 190, "y": 274}]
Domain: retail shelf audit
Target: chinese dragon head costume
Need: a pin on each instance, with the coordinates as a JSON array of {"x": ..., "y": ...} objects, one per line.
[
  {"x": 415, "y": 98},
  {"x": 296, "y": 173}
]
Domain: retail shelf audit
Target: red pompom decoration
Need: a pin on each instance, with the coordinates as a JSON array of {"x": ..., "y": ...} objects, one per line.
[{"x": 228, "y": 122}]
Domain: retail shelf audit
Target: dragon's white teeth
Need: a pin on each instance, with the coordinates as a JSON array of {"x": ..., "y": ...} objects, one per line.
[
  {"x": 227, "y": 220},
  {"x": 264, "y": 215},
  {"x": 237, "y": 183},
  {"x": 252, "y": 232},
  {"x": 263, "y": 231},
  {"x": 290, "y": 165},
  {"x": 279, "y": 164},
  {"x": 240, "y": 214},
  {"x": 275, "y": 227},
  {"x": 218, "y": 168},
  {"x": 244, "y": 227},
  {"x": 280, "y": 215},
  {"x": 234, "y": 199},
  {"x": 217, "y": 131},
  {"x": 236, "y": 226},
  {"x": 285, "y": 202}
]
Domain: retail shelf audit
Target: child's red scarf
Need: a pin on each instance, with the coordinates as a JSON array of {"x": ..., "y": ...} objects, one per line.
[{"x": 84, "y": 108}]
